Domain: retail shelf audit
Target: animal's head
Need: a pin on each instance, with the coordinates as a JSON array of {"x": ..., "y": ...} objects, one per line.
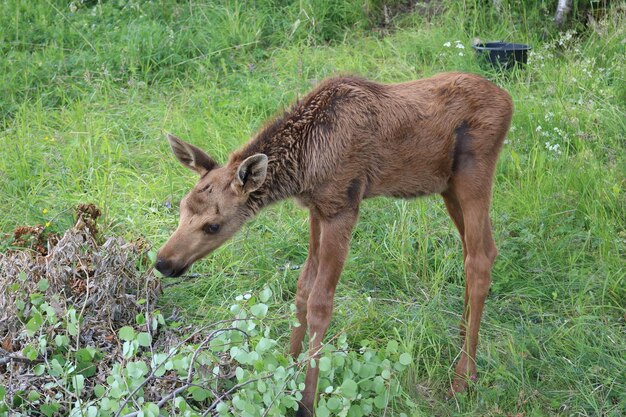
[{"x": 214, "y": 209}]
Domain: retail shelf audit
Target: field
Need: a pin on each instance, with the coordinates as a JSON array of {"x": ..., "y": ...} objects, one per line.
[{"x": 89, "y": 89}]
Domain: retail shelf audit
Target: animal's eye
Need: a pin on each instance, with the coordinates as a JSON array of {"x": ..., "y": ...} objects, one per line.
[{"x": 211, "y": 228}]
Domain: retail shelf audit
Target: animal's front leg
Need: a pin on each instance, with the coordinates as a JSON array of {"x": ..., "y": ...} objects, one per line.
[
  {"x": 333, "y": 250},
  {"x": 305, "y": 283}
]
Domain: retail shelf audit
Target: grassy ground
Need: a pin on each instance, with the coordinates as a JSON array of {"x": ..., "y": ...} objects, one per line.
[{"x": 88, "y": 92}]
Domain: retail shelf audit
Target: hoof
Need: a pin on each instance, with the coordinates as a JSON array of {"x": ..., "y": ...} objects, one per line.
[{"x": 459, "y": 385}]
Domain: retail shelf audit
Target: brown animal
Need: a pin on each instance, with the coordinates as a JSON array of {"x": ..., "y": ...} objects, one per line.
[{"x": 351, "y": 139}]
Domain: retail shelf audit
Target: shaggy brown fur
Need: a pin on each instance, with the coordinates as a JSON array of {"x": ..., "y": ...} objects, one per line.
[{"x": 351, "y": 139}]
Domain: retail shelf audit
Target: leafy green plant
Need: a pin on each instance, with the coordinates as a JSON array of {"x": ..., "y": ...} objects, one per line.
[{"x": 235, "y": 367}]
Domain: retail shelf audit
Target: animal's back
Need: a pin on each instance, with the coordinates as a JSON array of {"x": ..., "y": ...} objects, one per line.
[{"x": 408, "y": 139}]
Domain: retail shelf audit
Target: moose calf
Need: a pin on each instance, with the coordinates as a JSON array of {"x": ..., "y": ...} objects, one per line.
[{"x": 347, "y": 140}]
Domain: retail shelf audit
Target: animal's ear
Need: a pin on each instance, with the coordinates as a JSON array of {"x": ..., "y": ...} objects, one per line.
[
  {"x": 191, "y": 156},
  {"x": 251, "y": 173}
]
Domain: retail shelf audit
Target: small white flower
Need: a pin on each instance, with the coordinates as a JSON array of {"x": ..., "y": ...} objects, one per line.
[
  {"x": 459, "y": 45},
  {"x": 538, "y": 129},
  {"x": 554, "y": 148},
  {"x": 461, "y": 54},
  {"x": 447, "y": 44}
]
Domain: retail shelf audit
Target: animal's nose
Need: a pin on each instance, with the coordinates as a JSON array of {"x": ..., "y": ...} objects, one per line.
[{"x": 164, "y": 266}]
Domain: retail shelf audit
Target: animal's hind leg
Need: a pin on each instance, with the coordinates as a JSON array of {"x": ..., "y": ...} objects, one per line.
[
  {"x": 480, "y": 254},
  {"x": 454, "y": 209}
]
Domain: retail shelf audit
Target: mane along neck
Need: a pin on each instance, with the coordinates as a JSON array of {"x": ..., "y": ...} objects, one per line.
[
  {"x": 282, "y": 144},
  {"x": 302, "y": 140}
]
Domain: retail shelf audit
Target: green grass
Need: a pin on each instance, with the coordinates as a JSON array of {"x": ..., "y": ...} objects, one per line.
[{"x": 88, "y": 94}]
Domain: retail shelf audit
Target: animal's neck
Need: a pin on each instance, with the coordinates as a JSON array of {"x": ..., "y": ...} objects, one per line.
[
  {"x": 284, "y": 172},
  {"x": 287, "y": 142}
]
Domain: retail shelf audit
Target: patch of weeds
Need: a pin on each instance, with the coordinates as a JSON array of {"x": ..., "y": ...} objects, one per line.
[{"x": 81, "y": 336}]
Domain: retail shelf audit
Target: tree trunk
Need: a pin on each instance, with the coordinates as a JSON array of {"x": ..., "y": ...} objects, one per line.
[{"x": 562, "y": 11}]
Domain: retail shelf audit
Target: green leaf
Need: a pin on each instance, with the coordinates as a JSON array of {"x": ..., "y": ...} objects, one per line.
[
  {"x": 380, "y": 401},
  {"x": 325, "y": 364},
  {"x": 140, "y": 319},
  {"x": 136, "y": 369},
  {"x": 127, "y": 333},
  {"x": 261, "y": 386},
  {"x": 30, "y": 352},
  {"x": 38, "y": 370},
  {"x": 259, "y": 310},
  {"x": 78, "y": 381},
  {"x": 55, "y": 368},
  {"x": 129, "y": 349},
  {"x": 85, "y": 354},
  {"x": 367, "y": 371},
  {"x": 265, "y": 295},
  {"x": 72, "y": 328},
  {"x": 349, "y": 388},
  {"x": 43, "y": 285},
  {"x": 34, "y": 323},
  {"x": 150, "y": 410},
  {"x": 144, "y": 339},
  {"x": 199, "y": 394},
  {"x": 379, "y": 385},
  {"x": 222, "y": 407},
  {"x": 61, "y": 340},
  {"x": 405, "y": 359},
  {"x": 86, "y": 369},
  {"x": 36, "y": 298},
  {"x": 239, "y": 402},
  {"x": 22, "y": 276},
  {"x": 280, "y": 373},
  {"x": 333, "y": 404},
  {"x": 33, "y": 395},
  {"x": 157, "y": 363},
  {"x": 264, "y": 345},
  {"x": 386, "y": 374},
  {"x": 322, "y": 410},
  {"x": 180, "y": 403},
  {"x": 99, "y": 390},
  {"x": 49, "y": 409},
  {"x": 355, "y": 411}
]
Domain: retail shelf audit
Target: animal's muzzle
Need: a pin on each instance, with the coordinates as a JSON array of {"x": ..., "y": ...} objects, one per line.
[{"x": 168, "y": 268}]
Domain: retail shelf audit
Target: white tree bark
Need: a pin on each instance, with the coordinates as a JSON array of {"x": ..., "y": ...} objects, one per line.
[{"x": 562, "y": 11}]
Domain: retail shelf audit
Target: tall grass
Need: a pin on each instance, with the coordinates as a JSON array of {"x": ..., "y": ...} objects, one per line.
[{"x": 88, "y": 93}]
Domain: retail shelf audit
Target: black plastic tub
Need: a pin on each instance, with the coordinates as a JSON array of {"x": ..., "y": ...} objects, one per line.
[{"x": 502, "y": 54}]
